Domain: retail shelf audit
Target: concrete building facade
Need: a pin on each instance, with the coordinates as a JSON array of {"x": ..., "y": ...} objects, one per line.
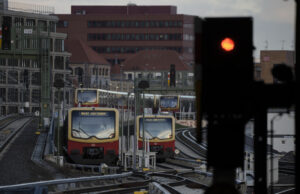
[{"x": 28, "y": 41}]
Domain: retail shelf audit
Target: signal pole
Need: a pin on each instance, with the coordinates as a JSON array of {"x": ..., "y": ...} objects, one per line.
[{"x": 297, "y": 99}]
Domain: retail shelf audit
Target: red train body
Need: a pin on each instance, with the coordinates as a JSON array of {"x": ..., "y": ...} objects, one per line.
[
  {"x": 160, "y": 132},
  {"x": 92, "y": 135}
]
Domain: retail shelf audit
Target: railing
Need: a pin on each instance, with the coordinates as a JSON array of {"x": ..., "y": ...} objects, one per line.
[
  {"x": 50, "y": 146},
  {"x": 185, "y": 115}
]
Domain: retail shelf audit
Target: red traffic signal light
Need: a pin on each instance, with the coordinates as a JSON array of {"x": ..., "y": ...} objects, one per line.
[{"x": 227, "y": 44}]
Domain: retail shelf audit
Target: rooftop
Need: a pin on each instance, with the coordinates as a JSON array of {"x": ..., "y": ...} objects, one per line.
[
  {"x": 130, "y": 9},
  {"x": 82, "y": 53},
  {"x": 155, "y": 60}
]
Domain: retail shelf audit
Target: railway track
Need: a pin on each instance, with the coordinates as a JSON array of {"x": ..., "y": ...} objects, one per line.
[
  {"x": 287, "y": 168},
  {"x": 118, "y": 183},
  {"x": 10, "y": 127},
  {"x": 184, "y": 137},
  {"x": 7, "y": 120},
  {"x": 176, "y": 184}
]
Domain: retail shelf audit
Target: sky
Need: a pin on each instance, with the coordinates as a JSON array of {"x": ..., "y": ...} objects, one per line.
[{"x": 274, "y": 20}]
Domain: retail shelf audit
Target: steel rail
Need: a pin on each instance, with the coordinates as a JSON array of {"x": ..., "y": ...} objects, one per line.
[
  {"x": 8, "y": 120},
  {"x": 181, "y": 139},
  {"x": 113, "y": 188},
  {"x": 192, "y": 140},
  {"x": 12, "y": 135},
  {"x": 65, "y": 181}
]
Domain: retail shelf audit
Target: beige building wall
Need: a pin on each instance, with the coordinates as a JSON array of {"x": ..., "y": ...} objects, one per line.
[{"x": 269, "y": 58}]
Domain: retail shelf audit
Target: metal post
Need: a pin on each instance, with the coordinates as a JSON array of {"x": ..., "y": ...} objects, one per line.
[
  {"x": 272, "y": 143},
  {"x": 260, "y": 150},
  {"x": 135, "y": 127},
  {"x": 122, "y": 137},
  {"x": 58, "y": 130},
  {"x": 297, "y": 113},
  {"x": 128, "y": 115},
  {"x": 122, "y": 116},
  {"x": 44, "y": 49},
  {"x": 143, "y": 162}
]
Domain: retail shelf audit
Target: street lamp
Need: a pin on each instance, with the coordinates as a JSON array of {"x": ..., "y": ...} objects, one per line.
[
  {"x": 143, "y": 85},
  {"x": 59, "y": 83}
]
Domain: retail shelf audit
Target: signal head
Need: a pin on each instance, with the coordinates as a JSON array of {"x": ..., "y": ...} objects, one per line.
[{"x": 227, "y": 44}]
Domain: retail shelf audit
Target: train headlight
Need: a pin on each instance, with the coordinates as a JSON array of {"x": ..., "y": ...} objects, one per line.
[{"x": 176, "y": 151}]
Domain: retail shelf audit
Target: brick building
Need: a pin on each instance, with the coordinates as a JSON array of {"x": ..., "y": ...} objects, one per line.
[
  {"x": 269, "y": 58},
  {"x": 117, "y": 32},
  {"x": 88, "y": 68}
]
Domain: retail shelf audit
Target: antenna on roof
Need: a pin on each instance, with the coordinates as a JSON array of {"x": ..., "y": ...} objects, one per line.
[
  {"x": 282, "y": 46},
  {"x": 131, "y": 4},
  {"x": 267, "y": 44}
]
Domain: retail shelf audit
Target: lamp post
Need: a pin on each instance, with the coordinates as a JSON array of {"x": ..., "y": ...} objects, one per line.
[
  {"x": 143, "y": 85},
  {"x": 59, "y": 83}
]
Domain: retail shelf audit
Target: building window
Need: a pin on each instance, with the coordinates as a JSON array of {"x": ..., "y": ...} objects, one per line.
[
  {"x": 44, "y": 44},
  {"x": 12, "y": 77},
  {"x": 12, "y": 110},
  {"x": 95, "y": 70},
  {"x": 13, "y": 95},
  {"x": 25, "y": 63},
  {"x": 34, "y": 43},
  {"x": 35, "y": 64},
  {"x": 59, "y": 45},
  {"x": 131, "y": 24},
  {"x": 59, "y": 62},
  {"x": 18, "y": 44},
  {"x": 42, "y": 25},
  {"x": 2, "y": 61},
  {"x": 30, "y": 22},
  {"x": 19, "y": 22},
  {"x": 56, "y": 96},
  {"x": 62, "y": 24},
  {"x": 58, "y": 76},
  {"x": 12, "y": 62},
  {"x": 67, "y": 98},
  {"x": 35, "y": 96},
  {"x": 36, "y": 78},
  {"x": 24, "y": 96},
  {"x": 79, "y": 73},
  {"x": 2, "y": 77},
  {"x": 2, "y": 95},
  {"x": 27, "y": 43},
  {"x": 34, "y": 109},
  {"x": 129, "y": 76}
]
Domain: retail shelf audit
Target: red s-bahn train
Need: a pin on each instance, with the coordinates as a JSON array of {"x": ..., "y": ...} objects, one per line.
[
  {"x": 169, "y": 104},
  {"x": 91, "y": 135},
  {"x": 160, "y": 131},
  {"x": 87, "y": 97}
]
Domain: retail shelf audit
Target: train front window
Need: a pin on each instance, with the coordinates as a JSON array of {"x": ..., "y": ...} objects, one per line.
[
  {"x": 169, "y": 102},
  {"x": 88, "y": 124},
  {"x": 160, "y": 128},
  {"x": 84, "y": 96}
]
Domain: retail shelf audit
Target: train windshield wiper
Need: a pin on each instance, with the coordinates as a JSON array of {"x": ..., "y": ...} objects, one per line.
[{"x": 149, "y": 134}]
